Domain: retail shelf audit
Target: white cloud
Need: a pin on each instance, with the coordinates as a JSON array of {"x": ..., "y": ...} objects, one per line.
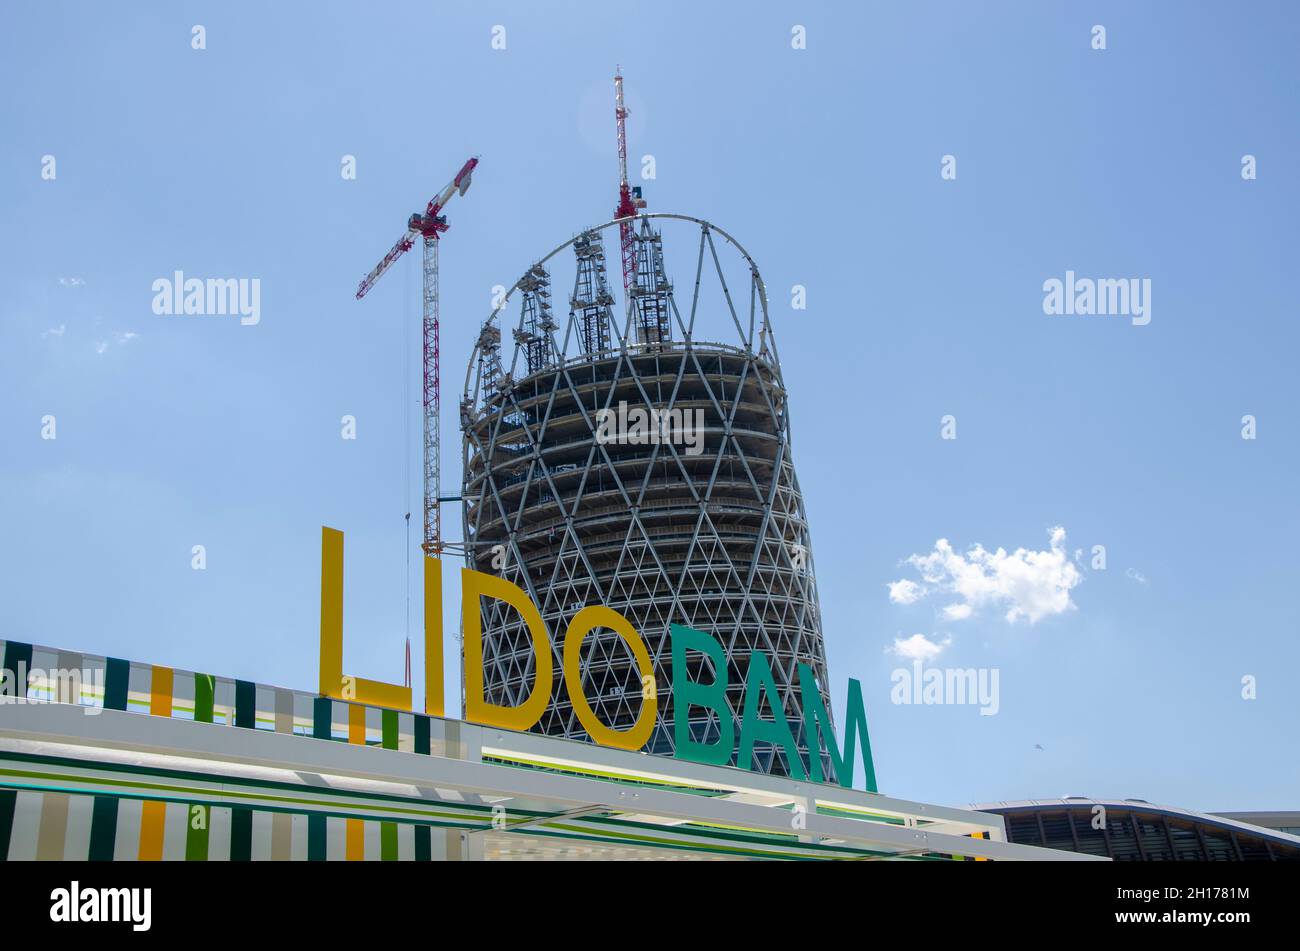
[
  {"x": 55, "y": 331},
  {"x": 905, "y": 592},
  {"x": 918, "y": 647},
  {"x": 129, "y": 335},
  {"x": 1136, "y": 575},
  {"x": 71, "y": 281},
  {"x": 101, "y": 346},
  {"x": 1030, "y": 585}
]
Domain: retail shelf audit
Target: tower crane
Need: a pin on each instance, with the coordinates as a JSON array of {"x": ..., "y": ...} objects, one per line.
[
  {"x": 430, "y": 226},
  {"x": 627, "y": 202}
]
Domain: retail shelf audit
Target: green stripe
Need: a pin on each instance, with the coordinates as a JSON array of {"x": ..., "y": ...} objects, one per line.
[
  {"x": 103, "y": 829},
  {"x": 423, "y": 844},
  {"x": 246, "y": 704},
  {"x": 156, "y": 790},
  {"x": 224, "y": 780},
  {"x": 607, "y": 831},
  {"x": 241, "y": 834},
  {"x": 322, "y": 713},
  {"x": 18, "y": 654},
  {"x": 196, "y": 840},
  {"x": 388, "y": 830},
  {"x": 117, "y": 679},
  {"x": 205, "y": 694},
  {"x": 422, "y": 735},
  {"x": 316, "y": 837},
  {"x": 8, "y": 799}
]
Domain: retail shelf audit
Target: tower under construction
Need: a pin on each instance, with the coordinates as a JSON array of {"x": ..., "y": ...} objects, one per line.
[{"x": 638, "y": 462}]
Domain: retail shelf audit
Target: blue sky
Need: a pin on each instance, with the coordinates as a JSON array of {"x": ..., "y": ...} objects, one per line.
[{"x": 924, "y": 299}]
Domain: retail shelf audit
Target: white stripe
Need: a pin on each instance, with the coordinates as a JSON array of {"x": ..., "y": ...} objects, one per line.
[
  {"x": 127, "y": 846},
  {"x": 76, "y": 848}
]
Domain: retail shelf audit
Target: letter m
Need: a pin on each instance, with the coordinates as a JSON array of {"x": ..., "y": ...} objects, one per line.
[
  {"x": 817, "y": 721},
  {"x": 1113, "y": 296},
  {"x": 223, "y": 295}
]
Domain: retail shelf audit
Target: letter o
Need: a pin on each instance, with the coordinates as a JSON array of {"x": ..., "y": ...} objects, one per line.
[{"x": 583, "y": 622}]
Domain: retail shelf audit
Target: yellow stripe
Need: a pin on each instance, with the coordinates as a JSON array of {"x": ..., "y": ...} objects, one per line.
[
  {"x": 160, "y": 692},
  {"x": 153, "y": 816},
  {"x": 356, "y": 724},
  {"x": 356, "y": 828},
  {"x": 356, "y": 851}
]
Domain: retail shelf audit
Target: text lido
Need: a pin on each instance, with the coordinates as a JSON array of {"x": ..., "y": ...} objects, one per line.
[{"x": 687, "y": 693}]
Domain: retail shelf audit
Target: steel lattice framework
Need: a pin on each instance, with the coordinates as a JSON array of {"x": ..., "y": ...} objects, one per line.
[{"x": 716, "y": 540}]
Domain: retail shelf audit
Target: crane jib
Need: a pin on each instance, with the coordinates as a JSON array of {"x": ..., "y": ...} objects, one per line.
[{"x": 430, "y": 226}]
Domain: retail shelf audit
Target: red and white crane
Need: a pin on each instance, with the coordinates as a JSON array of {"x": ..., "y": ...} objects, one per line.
[
  {"x": 428, "y": 226},
  {"x": 627, "y": 204}
]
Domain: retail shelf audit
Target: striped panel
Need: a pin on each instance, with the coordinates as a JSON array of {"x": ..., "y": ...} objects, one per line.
[
  {"x": 205, "y": 692},
  {"x": 283, "y": 710},
  {"x": 220, "y": 820},
  {"x": 316, "y": 837},
  {"x": 160, "y": 692},
  {"x": 198, "y": 819},
  {"x": 52, "y": 834},
  {"x": 322, "y": 720},
  {"x": 69, "y": 688},
  {"x": 246, "y": 704},
  {"x": 76, "y": 846},
  {"x": 117, "y": 683},
  {"x": 388, "y": 841},
  {"x": 356, "y": 840},
  {"x": 298, "y": 852},
  {"x": 405, "y": 842},
  {"x": 223, "y": 703},
  {"x": 388, "y": 830},
  {"x": 263, "y": 843},
  {"x": 281, "y": 836},
  {"x": 18, "y": 661},
  {"x": 336, "y": 846},
  {"x": 356, "y": 828},
  {"x": 241, "y": 834},
  {"x": 103, "y": 829},
  {"x": 282, "y": 822},
  {"x": 175, "y": 836},
  {"x": 7, "y": 798},
  {"x": 126, "y": 848},
  {"x": 153, "y": 818},
  {"x": 26, "y": 826}
]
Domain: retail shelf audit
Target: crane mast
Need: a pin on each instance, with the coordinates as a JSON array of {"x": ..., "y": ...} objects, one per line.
[
  {"x": 429, "y": 226},
  {"x": 627, "y": 206}
]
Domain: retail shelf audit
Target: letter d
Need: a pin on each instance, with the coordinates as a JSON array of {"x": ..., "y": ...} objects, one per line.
[{"x": 476, "y": 585}]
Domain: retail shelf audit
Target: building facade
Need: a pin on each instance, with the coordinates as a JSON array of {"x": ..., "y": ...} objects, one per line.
[
  {"x": 642, "y": 462},
  {"x": 1134, "y": 830}
]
